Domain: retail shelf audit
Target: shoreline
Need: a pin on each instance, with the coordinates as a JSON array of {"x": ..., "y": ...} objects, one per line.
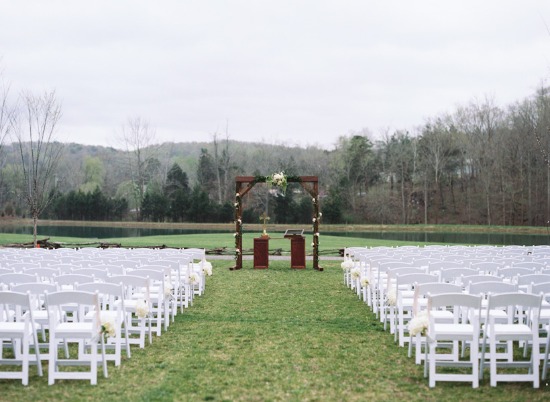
[{"x": 230, "y": 227}]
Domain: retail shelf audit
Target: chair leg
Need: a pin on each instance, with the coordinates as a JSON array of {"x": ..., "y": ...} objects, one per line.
[
  {"x": 546, "y": 352},
  {"x": 37, "y": 353},
  {"x": 431, "y": 365},
  {"x": 103, "y": 357},
  {"x": 474, "y": 359},
  {"x": 493, "y": 361},
  {"x": 25, "y": 360},
  {"x": 93, "y": 363},
  {"x": 52, "y": 363}
]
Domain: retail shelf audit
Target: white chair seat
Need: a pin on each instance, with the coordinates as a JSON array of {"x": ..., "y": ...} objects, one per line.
[
  {"x": 11, "y": 328},
  {"x": 510, "y": 331},
  {"x": 75, "y": 329},
  {"x": 454, "y": 331},
  {"x": 545, "y": 315}
]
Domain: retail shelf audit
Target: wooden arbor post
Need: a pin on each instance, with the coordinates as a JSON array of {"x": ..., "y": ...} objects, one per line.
[{"x": 243, "y": 184}]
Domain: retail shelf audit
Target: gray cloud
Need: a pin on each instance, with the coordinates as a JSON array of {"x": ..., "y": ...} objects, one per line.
[{"x": 302, "y": 72}]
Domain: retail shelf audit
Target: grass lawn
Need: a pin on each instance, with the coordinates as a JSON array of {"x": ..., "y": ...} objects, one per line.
[
  {"x": 328, "y": 244},
  {"x": 276, "y": 334}
]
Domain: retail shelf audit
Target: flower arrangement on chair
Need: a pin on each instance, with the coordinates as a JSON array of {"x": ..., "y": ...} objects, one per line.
[
  {"x": 142, "y": 309},
  {"x": 108, "y": 328},
  {"x": 419, "y": 324}
]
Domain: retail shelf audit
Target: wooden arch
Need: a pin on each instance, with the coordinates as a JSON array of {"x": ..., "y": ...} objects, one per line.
[{"x": 243, "y": 184}]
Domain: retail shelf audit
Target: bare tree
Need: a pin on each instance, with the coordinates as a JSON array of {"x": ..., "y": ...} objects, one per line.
[
  {"x": 34, "y": 128},
  {"x": 6, "y": 115},
  {"x": 139, "y": 141},
  {"x": 482, "y": 121},
  {"x": 223, "y": 165}
]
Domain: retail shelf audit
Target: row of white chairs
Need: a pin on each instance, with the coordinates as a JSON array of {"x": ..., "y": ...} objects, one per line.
[
  {"x": 97, "y": 308},
  {"x": 397, "y": 285}
]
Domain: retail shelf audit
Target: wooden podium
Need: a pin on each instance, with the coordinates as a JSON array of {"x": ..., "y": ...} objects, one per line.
[
  {"x": 297, "y": 248},
  {"x": 261, "y": 252}
]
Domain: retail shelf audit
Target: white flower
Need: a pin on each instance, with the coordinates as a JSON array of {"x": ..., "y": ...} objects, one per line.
[
  {"x": 240, "y": 221},
  {"x": 207, "y": 268},
  {"x": 392, "y": 297},
  {"x": 419, "y": 324},
  {"x": 236, "y": 204},
  {"x": 237, "y": 195},
  {"x": 235, "y": 234},
  {"x": 108, "y": 328},
  {"x": 237, "y": 251},
  {"x": 316, "y": 234},
  {"x": 356, "y": 273},
  {"x": 364, "y": 281},
  {"x": 314, "y": 220},
  {"x": 312, "y": 244},
  {"x": 347, "y": 264},
  {"x": 168, "y": 289},
  {"x": 193, "y": 278},
  {"x": 320, "y": 214},
  {"x": 142, "y": 309}
]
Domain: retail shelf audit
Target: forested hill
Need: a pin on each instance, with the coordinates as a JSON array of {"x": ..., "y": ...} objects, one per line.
[{"x": 482, "y": 164}]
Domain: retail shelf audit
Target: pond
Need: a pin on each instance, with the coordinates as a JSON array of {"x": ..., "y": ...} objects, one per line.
[
  {"x": 504, "y": 239},
  {"x": 90, "y": 232}
]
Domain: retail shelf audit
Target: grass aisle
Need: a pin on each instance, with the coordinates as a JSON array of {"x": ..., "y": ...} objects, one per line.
[{"x": 276, "y": 334}]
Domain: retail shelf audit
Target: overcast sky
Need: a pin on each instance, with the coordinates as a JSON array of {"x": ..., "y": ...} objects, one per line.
[{"x": 281, "y": 71}]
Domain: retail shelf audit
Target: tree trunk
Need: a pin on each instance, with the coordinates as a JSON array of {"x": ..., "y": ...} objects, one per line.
[{"x": 34, "y": 228}]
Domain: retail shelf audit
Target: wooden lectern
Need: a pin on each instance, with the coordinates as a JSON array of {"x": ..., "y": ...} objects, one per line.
[
  {"x": 261, "y": 252},
  {"x": 297, "y": 248}
]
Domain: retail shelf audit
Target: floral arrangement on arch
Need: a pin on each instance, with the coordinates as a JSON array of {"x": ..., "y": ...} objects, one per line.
[{"x": 279, "y": 180}]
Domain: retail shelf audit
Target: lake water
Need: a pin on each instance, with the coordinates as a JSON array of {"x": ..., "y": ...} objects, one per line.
[{"x": 89, "y": 232}]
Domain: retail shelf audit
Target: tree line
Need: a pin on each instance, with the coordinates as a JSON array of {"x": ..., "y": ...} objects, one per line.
[{"x": 479, "y": 164}]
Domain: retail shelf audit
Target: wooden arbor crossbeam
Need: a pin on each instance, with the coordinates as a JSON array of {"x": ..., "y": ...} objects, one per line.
[{"x": 243, "y": 184}]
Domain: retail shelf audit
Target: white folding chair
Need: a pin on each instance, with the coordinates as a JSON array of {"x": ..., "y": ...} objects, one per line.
[
  {"x": 420, "y": 305},
  {"x": 37, "y": 293},
  {"x": 200, "y": 255},
  {"x": 159, "y": 294},
  {"x": 112, "y": 309},
  {"x": 45, "y": 274},
  {"x": 17, "y": 278},
  {"x": 69, "y": 281},
  {"x": 544, "y": 321},
  {"x": 461, "y": 330},
  {"x": 404, "y": 286},
  {"x": 99, "y": 274},
  {"x": 452, "y": 275},
  {"x": 137, "y": 306},
  {"x": 18, "y": 331},
  {"x": 511, "y": 274},
  {"x": 522, "y": 325},
  {"x": 80, "y": 330},
  {"x": 388, "y": 293}
]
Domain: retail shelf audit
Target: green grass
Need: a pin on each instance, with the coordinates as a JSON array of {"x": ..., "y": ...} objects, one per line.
[
  {"x": 328, "y": 244},
  {"x": 276, "y": 334}
]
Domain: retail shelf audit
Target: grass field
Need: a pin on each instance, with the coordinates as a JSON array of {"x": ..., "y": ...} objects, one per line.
[
  {"x": 269, "y": 335},
  {"x": 328, "y": 244}
]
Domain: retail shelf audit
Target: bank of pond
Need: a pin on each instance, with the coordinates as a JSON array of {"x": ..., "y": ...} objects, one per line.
[{"x": 93, "y": 232}]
